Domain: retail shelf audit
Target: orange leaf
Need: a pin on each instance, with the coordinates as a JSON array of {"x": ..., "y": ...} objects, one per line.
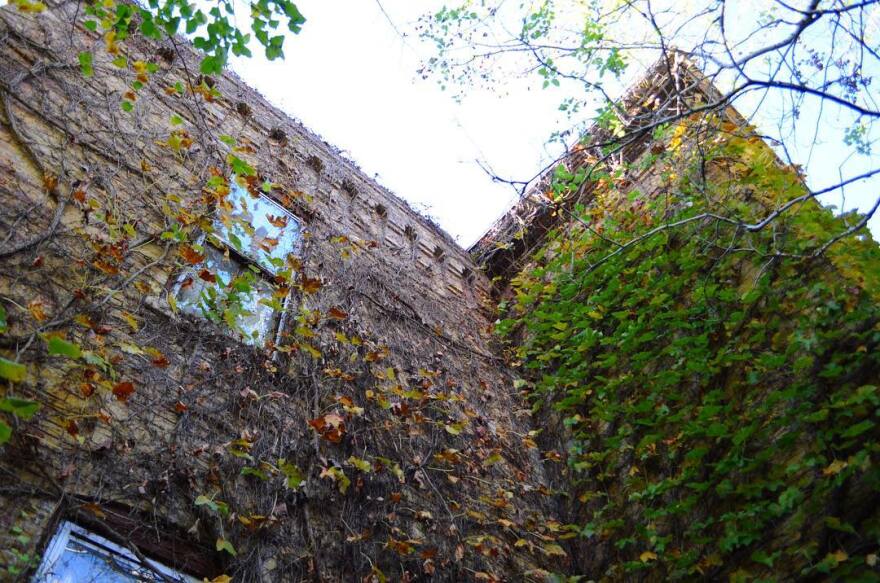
[
  {"x": 190, "y": 255},
  {"x": 123, "y": 390},
  {"x": 337, "y": 314},
  {"x": 94, "y": 509},
  {"x": 37, "y": 310},
  {"x": 280, "y": 221},
  {"x": 310, "y": 285},
  {"x": 331, "y": 427}
]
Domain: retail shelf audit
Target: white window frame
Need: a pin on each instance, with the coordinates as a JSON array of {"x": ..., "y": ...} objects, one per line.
[
  {"x": 239, "y": 257},
  {"x": 100, "y": 546}
]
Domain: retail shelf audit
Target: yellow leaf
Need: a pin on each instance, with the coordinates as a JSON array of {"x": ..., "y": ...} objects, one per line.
[
  {"x": 834, "y": 468},
  {"x": 648, "y": 556}
]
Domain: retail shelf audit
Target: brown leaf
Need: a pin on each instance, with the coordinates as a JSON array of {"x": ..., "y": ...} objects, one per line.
[
  {"x": 337, "y": 314},
  {"x": 190, "y": 255},
  {"x": 94, "y": 509},
  {"x": 331, "y": 427},
  {"x": 122, "y": 391},
  {"x": 106, "y": 266},
  {"x": 37, "y": 310},
  {"x": 279, "y": 221},
  {"x": 180, "y": 407},
  {"x": 50, "y": 182},
  {"x": 310, "y": 285},
  {"x": 207, "y": 276},
  {"x": 267, "y": 244}
]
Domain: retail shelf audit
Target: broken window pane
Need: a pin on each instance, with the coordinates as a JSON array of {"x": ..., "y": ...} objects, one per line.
[
  {"x": 227, "y": 291},
  {"x": 258, "y": 228}
]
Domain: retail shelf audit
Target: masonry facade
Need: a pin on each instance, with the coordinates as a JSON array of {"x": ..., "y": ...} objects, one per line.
[{"x": 249, "y": 359}]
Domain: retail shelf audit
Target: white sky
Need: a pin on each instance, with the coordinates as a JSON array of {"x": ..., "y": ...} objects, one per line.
[{"x": 349, "y": 77}]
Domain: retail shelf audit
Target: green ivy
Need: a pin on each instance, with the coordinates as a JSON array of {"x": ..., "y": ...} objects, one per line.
[{"x": 720, "y": 388}]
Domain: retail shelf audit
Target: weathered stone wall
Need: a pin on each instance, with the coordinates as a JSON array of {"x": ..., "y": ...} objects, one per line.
[{"x": 386, "y": 328}]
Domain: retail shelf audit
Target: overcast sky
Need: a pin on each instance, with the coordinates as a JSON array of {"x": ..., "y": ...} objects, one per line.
[{"x": 351, "y": 78}]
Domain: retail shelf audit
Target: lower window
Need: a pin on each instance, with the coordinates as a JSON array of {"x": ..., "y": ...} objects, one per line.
[{"x": 76, "y": 555}]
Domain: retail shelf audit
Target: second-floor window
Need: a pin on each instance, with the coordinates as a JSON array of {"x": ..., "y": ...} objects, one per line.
[{"x": 250, "y": 241}]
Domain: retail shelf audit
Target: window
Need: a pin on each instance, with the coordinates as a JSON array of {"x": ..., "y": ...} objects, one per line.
[
  {"x": 251, "y": 239},
  {"x": 75, "y": 555}
]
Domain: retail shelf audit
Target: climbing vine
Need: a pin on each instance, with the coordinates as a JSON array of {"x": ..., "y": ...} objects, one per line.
[{"x": 718, "y": 381}]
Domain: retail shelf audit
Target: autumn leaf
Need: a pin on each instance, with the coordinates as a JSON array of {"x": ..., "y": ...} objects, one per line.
[
  {"x": 648, "y": 556},
  {"x": 267, "y": 244},
  {"x": 834, "y": 468},
  {"x": 337, "y": 314},
  {"x": 331, "y": 427},
  {"x": 37, "y": 310},
  {"x": 95, "y": 509},
  {"x": 402, "y": 547},
  {"x": 122, "y": 391},
  {"x": 190, "y": 255},
  {"x": 207, "y": 276},
  {"x": 310, "y": 285},
  {"x": 158, "y": 359},
  {"x": 279, "y": 221}
]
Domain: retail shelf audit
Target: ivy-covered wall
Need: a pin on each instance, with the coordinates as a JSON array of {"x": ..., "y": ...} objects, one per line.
[
  {"x": 376, "y": 435},
  {"x": 711, "y": 380}
]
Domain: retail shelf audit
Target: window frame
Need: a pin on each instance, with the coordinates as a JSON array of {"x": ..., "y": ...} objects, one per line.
[
  {"x": 100, "y": 546},
  {"x": 216, "y": 242}
]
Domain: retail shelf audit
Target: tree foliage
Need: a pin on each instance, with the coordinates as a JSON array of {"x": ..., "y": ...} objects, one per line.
[{"x": 804, "y": 70}]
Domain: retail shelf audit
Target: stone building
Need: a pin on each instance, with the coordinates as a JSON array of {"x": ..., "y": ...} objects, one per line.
[
  {"x": 227, "y": 353},
  {"x": 249, "y": 358}
]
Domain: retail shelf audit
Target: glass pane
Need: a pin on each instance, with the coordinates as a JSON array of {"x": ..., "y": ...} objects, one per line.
[
  {"x": 237, "y": 298},
  {"x": 257, "y": 228},
  {"x": 88, "y": 558},
  {"x": 78, "y": 563}
]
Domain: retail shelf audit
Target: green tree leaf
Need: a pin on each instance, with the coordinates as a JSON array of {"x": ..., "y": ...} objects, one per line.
[
  {"x": 22, "y": 408},
  {"x": 12, "y": 371},
  {"x": 60, "y": 347}
]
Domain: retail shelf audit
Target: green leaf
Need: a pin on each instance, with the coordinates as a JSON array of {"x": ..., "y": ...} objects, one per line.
[
  {"x": 22, "y": 408},
  {"x": 249, "y": 471},
  {"x": 363, "y": 465},
  {"x": 225, "y": 545},
  {"x": 12, "y": 371},
  {"x": 293, "y": 474},
  {"x": 858, "y": 429},
  {"x": 120, "y": 62},
  {"x": 59, "y": 347},
  {"x": 85, "y": 64},
  {"x": 5, "y": 432},
  {"x": 4, "y": 326},
  {"x": 240, "y": 167},
  {"x": 127, "y": 106}
]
